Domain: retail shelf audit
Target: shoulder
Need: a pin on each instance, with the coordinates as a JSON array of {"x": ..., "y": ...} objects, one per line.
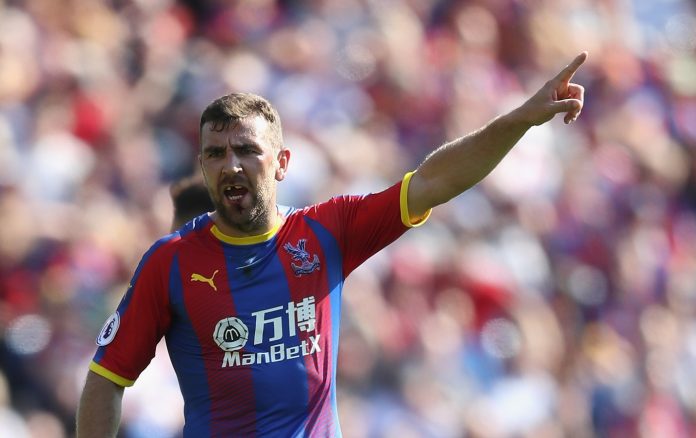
[
  {"x": 334, "y": 203},
  {"x": 348, "y": 202},
  {"x": 163, "y": 249},
  {"x": 190, "y": 231},
  {"x": 343, "y": 208},
  {"x": 167, "y": 245}
]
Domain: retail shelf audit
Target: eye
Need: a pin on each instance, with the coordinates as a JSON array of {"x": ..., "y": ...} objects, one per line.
[
  {"x": 215, "y": 152},
  {"x": 246, "y": 150}
]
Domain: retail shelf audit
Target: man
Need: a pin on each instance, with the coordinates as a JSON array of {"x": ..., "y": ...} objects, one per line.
[
  {"x": 248, "y": 297},
  {"x": 190, "y": 199}
]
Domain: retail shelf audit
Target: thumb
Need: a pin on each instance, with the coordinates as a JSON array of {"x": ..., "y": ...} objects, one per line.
[{"x": 566, "y": 106}]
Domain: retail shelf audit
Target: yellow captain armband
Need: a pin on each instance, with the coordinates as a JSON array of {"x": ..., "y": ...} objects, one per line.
[
  {"x": 403, "y": 204},
  {"x": 95, "y": 367}
]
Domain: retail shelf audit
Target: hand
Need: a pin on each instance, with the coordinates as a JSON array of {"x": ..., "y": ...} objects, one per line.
[{"x": 558, "y": 95}]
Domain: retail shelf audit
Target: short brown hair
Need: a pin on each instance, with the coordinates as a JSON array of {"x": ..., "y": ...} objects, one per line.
[
  {"x": 190, "y": 198},
  {"x": 235, "y": 106}
]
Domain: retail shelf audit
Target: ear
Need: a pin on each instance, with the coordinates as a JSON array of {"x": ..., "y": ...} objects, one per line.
[{"x": 283, "y": 161}]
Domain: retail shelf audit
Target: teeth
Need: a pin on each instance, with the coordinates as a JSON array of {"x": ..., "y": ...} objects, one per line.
[{"x": 228, "y": 192}]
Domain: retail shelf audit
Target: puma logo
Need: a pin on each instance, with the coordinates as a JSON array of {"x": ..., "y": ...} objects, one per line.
[{"x": 202, "y": 279}]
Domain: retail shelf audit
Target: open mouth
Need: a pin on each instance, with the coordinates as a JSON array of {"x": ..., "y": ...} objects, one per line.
[{"x": 235, "y": 193}]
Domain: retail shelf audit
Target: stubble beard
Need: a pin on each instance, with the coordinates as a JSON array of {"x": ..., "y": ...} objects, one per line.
[{"x": 248, "y": 221}]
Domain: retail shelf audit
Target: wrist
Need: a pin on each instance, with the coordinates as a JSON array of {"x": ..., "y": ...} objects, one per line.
[{"x": 518, "y": 119}]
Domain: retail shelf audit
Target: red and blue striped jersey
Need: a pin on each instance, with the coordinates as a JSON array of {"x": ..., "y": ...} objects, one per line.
[{"x": 251, "y": 324}]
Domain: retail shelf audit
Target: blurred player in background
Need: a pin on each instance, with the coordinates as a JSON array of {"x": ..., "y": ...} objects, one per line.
[
  {"x": 248, "y": 297},
  {"x": 190, "y": 199}
]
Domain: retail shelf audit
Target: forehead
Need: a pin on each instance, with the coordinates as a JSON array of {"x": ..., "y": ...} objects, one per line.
[{"x": 252, "y": 129}]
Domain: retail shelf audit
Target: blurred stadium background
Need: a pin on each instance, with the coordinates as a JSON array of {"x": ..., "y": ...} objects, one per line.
[{"x": 556, "y": 298}]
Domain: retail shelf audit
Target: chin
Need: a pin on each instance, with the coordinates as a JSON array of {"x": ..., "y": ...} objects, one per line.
[{"x": 246, "y": 221}]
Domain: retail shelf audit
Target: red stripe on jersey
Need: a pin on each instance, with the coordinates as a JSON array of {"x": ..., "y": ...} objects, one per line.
[
  {"x": 143, "y": 316},
  {"x": 362, "y": 225},
  {"x": 231, "y": 388}
]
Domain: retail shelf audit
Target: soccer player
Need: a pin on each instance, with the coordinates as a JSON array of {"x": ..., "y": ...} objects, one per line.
[
  {"x": 190, "y": 198},
  {"x": 248, "y": 297}
]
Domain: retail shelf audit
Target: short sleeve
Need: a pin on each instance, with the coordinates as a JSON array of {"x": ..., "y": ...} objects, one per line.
[
  {"x": 365, "y": 224},
  {"x": 127, "y": 342}
]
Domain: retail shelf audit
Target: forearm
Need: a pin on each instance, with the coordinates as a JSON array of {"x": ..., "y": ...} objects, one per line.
[
  {"x": 99, "y": 412},
  {"x": 461, "y": 163}
]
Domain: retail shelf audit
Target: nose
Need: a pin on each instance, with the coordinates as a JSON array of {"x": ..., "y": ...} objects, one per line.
[{"x": 233, "y": 164}]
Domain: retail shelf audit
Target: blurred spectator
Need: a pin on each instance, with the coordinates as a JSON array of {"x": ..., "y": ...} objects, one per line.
[
  {"x": 190, "y": 198},
  {"x": 566, "y": 278}
]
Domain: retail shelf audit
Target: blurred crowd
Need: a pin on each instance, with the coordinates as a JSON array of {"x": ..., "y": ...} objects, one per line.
[{"x": 556, "y": 298}]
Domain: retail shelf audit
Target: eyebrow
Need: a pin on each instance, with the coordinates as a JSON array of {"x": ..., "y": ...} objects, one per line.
[
  {"x": 246, "y": 144},
  {"x": 212, "y": 147}
]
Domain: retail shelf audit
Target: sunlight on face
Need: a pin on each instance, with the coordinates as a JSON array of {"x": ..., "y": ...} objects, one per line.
[{"x": 240, "y": 166}]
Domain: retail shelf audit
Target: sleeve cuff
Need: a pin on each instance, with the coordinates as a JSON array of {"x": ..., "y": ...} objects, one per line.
[
  {"x": 403, "y": 204},
  {"x": 98, "y": 369}
]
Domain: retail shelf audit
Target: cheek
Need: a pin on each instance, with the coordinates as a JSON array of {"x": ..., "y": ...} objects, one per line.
[
  {"x": 264, "y": 170},
  {"x": 211, "y": 169},
  {"x": 206, "y": 173},
  {"x": 210, "y": 177}
]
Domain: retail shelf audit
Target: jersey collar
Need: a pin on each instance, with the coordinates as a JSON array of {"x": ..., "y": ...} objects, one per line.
[{"x": 247, "y": 240}]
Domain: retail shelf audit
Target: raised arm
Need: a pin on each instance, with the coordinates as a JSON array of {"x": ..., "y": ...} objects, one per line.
[
  {"x": 99, "y": 412},
  {"x": 460, "y": 164}
]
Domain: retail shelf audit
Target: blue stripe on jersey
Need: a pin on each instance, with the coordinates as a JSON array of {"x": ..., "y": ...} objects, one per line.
[
  {"x": 334, "y": 263},
  {"x": 181, "y": 336},
  {"x": 280, "y": 388},
  {"x": 191, "y": 225},
  {"x": 123, "y": 305}
]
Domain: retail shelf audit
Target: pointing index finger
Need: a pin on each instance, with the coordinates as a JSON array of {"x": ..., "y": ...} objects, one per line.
[{"x": 567, "y": 73}]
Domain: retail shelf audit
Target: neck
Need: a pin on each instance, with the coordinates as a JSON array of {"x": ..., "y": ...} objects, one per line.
[{"x": 260, "y": 227}]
